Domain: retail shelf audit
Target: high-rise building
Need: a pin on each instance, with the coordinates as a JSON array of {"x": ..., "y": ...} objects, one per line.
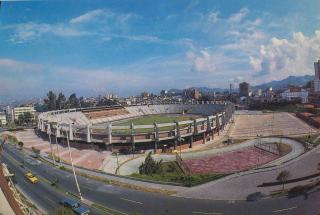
[
  {"x": 317, "y": 69},
  {"x": 244, "y": 89},
  {"x": 191, "y": 93},
  {"x": 316, "y": 82}
]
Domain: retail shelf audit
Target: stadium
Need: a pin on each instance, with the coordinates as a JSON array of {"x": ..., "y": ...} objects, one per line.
[{"x": 134, "y": 128}]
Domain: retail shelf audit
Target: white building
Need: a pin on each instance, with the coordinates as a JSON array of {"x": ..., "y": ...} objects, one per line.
[
  {"x": 3, "y": 118},
  {"x": 295, "y": 93},
  {"x": 17, "y": 111}
]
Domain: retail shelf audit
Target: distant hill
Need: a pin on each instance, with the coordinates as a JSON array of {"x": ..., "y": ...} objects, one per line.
[{"x": 290, "y": 80}]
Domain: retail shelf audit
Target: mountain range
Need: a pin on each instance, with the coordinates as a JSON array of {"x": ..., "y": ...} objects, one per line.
[{"x": 276, "y": 85}]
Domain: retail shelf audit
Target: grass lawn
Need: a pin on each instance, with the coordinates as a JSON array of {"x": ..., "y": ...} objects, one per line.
[
  {"x": 291, "y": 108},
  {"x": 172, "y": 173},
  {"x": 151, "y": 119}
]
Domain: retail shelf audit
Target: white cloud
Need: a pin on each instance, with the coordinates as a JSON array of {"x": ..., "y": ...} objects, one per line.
[
  {"x": 281, "y": 57},
  {"x": 239, "y": 16},
  {"x": 14, "y": 65},
  {"x": 31, "y": 31},
  {"x": 213, "y": 63},
  {"x": 203, "y": 62},
  {"x": 89, "y": 16}
]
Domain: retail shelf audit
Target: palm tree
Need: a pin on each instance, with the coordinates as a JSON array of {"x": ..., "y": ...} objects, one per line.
[{"x": 283, "y": 177}]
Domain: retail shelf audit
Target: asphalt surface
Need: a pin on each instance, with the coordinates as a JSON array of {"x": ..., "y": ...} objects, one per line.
[{"x": 127, "y": 201}]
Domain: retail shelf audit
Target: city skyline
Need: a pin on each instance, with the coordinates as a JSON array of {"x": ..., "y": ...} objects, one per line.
[{"x": 130, "y": 47}]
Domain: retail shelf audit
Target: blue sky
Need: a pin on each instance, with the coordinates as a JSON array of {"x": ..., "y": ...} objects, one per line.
[{"x": 125, "y": 47}]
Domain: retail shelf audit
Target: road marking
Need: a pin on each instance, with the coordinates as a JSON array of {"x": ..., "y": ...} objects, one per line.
[
  {"x": 285, "y": 209},
  {"x": 129, "y": 200},
  {"x": 207, "y": 213}
]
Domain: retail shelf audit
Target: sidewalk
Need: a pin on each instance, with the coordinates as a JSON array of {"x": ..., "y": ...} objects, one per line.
[
  {"x": 238, "y": 186},
  {"x": 5, "y": 208}
]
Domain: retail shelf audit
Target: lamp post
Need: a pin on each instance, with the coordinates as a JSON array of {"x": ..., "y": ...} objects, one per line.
[{"x": 74, "y": 173}]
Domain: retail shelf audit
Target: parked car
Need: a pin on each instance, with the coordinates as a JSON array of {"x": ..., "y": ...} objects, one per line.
[{"x": 75, "y": 206}]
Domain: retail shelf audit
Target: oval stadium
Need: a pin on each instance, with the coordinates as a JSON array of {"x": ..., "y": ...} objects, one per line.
[{"x": 133, "y": 128}]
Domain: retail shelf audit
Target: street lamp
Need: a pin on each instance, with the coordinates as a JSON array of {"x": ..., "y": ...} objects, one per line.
[{"x": 74, "y": 173}]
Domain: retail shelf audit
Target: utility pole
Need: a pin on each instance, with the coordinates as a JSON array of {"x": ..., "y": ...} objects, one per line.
[{"x": 74, "y": 173}]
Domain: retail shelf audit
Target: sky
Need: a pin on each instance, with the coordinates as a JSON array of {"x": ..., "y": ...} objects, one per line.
[{"x": 93, "y": 47}]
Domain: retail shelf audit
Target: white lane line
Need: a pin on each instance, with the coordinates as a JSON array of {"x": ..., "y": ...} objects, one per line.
[
  {"x": 206, "y": 213},
  {"x": 129, "y": 200},
  {"x": 285, "y": 209}
]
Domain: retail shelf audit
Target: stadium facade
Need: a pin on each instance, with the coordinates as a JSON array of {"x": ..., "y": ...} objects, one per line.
[{"x": 96, "y": 126}]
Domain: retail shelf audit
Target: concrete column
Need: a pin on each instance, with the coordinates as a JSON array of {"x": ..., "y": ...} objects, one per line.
[
  {"x": 177, "y": 134},
  {"x": 208, "y": 124},
  {"x": 217, "y": 124},
  {"x": 70, "y": 132},
  {"x": 109, "y": 133},
  {"x": 195, "y": 127},
  {"x": 204, "y": 138},
  {"x": 223, "y": 119},
  {"x": 156, "y": 137},
  {"x": 132, "y": 137},
  {"x": 42, "y": 126},
  {"x": 48, "y": 129},
  {"x": 191, "y": 142},
  {"x": 58, "y": 134},
  {"x": 89, "y": 133}
]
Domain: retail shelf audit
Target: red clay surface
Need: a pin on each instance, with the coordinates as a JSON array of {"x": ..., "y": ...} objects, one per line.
[
  {"x": 91, "y": 159},
  {"x": 231, "y": 161}
]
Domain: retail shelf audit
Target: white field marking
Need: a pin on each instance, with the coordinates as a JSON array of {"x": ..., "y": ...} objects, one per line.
[
  {"x": 206, "y": 213},
  {"x": 129, "y": 200},
  {"x": 285, "y": 209}
]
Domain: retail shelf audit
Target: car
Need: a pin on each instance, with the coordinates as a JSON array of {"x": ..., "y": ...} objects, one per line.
[
  {"x": 31, "y": 177},
  {"x": 75, "y": 206}
]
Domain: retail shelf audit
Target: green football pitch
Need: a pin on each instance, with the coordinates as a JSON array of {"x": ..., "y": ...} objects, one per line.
[{"x": 149, "y": 120}]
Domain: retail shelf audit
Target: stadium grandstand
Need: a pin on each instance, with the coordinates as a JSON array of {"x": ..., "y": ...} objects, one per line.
[{"x": 100, "y": 125}]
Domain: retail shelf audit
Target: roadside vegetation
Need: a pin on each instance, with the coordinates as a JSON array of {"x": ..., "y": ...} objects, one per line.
[
  {"x": 170, "y": 172},
  {"x": 312, "y": 139},
  {"x": 63, "y": 211},
  {"x": 284, "y": 148},
  {"x": 282, "y": 106}
]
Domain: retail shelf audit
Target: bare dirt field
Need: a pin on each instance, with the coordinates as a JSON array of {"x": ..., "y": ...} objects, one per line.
[{"x": 268, "y": 124}]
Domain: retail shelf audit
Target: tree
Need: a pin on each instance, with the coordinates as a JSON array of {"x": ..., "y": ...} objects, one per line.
[
  {"x": 283, "y": 177},
  {"x": 62, "y": 211},
  {"x": 73, "y": 101},
  {"x": 35, "y": 151},
  {"x": 150, "y": 166},
  {"x": 20, "y": 144},
  {"x": 61, "y": 101},
  {"x": 25, "y": 118},
  {"x": 50, "y": 101}
]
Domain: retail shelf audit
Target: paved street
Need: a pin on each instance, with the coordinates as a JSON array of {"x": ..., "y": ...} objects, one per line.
[{"x": 130, "y": 201}]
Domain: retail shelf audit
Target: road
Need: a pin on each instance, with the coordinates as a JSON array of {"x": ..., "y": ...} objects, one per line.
[{"x": 127, "y": 201}]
